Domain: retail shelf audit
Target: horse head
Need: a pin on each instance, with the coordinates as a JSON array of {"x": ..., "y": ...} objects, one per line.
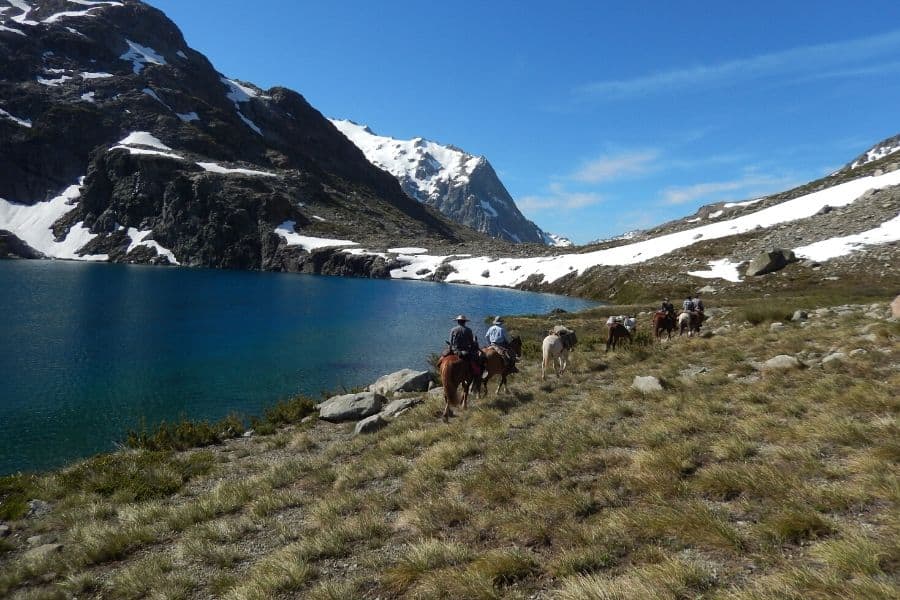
[{"x": 515, "y": 344}]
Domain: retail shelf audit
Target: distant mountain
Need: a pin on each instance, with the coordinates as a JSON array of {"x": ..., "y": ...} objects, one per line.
[
  {"x": 460, "y": 185},
  {"x": 118, "y": 142},
  {"x": 877, "y": 152}
]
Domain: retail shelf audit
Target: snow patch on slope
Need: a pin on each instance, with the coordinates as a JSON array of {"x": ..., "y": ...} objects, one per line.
[
  {"x": 720, "y": 269},
  {"x": 17, "y": 120},
  {"x": 32, "y": 224},
  {"x": 140, "y": 56},
  {"x": 217, "y": 168},
  {"x": 138, "y": 238},
  {"x": 887, "y": 232},
  {"x": 286, "y": 231}
]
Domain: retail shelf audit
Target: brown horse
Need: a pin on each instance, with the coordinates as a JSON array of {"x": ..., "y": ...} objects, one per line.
[
  {"x": 617, "y": 332},
  {"x": 496, "y": 365},
  {"x": 455, "y": 371},
  {"x": 663, "y": 321}
]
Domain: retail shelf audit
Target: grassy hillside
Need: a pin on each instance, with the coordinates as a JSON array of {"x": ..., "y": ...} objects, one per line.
[{"x": 733, "y": 482}]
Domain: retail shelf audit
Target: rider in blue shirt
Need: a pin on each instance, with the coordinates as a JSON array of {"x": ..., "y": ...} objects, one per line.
[{"x": 496, "y": 336}]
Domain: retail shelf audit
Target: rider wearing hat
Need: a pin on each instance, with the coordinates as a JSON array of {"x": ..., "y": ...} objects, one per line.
[
  {"x": 668, "y": 308},
  {"x": 462, "y": 340},
  {"x": 496, "y": 336}
]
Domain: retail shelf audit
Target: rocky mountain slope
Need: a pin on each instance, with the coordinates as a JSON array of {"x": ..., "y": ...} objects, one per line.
[
  {"x": 462, "y": 186},
  {"x": 121, "y": 143}
]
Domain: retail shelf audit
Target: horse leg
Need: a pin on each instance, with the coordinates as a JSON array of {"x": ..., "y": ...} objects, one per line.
[
  {"x": 502, "y": 384},
  {"x": 544, "y": 365}
]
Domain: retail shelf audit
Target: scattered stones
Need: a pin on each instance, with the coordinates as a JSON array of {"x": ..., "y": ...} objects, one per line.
[
  {"x": 782, "y": 362},
  {"x": 37, "y": 508},
  {"x": 350, "y": 407},
  {"x": 777, "y": 327},
  {"x": 399, "y": 406},
  {"x": 405, "y": 380},
  {"x": 800, "y": 315},
  {"x": 647, "y": 384},
  {"x": 692, "y": 372},
  {"x": 370, "y": 424},
  {"x": 770, "y": 261}
]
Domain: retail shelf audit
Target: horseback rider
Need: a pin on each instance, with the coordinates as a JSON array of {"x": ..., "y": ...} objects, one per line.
[
  {"x": 496, "y": 336},
  {"x": 698, "y": 306},
  {"x": 630, "y": 323},
  {"x": 462, "y": 344},
  {"x": 688, "y": 305},
  {"x": 668, "y": 308}
]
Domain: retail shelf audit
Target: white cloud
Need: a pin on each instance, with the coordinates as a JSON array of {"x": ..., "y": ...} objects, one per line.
[
  {"x": 837, "y": 59},
  {"x": 607, "y": 168},
  {"x": 749, "y": 184},
  {"x": 558, "y": 199}
]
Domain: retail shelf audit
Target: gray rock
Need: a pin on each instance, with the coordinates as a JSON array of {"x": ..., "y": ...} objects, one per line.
[
  {"x": 800, "y": 315},
  {"x": 776, "y": 327},
  {"x": 397, "y": 406},
  {"x": 4, "y": 531},
  {"x": 405, "y": 380},
  {"x": 36, "y": 554},
  {"x": 647, "y": 384},
  {"x": 370, "y": 424},
  {"x": 40, "y": 540},
  {"x": 834, "y": 357},
  {"x": 248, "y": 433},
  {"x": 707, "y": 289},
  {"x": 782, "y": 362},
  {"x": 858, "y": 352},
  {"x": 895, "y": 308},
  {"x": 37, "y": 508},
  {"x": 770, "y": 261},
  {"x": 350, "y": 407}
]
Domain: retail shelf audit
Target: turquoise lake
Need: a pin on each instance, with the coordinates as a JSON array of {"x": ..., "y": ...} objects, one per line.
[{"x": 88, "y": 351}]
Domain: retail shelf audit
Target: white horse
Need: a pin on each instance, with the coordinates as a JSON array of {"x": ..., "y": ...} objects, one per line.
[
  {"x": 555, "y": 350},
  {"x": 688, "y": 322}
]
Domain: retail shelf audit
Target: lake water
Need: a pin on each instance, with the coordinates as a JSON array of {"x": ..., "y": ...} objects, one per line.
[{"x": 89, "y": 350}]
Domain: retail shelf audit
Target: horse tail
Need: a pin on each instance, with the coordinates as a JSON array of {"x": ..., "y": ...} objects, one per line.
[{"x": 448, "y": 385}]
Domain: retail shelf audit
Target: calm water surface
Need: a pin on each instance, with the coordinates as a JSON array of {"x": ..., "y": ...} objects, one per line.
[{"x": 88, "y": 351}]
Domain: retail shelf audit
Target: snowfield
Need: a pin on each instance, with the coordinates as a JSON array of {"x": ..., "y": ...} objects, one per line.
[
  {"x": 885, "y": 233},
  {"x": 286, "y": 231}
]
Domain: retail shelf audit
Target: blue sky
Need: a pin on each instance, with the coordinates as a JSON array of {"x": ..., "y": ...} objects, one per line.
[{"x": 599, "y": 117}]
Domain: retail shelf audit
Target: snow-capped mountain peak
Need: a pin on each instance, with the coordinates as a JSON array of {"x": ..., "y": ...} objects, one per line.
[{"x": 463, "y": 186}]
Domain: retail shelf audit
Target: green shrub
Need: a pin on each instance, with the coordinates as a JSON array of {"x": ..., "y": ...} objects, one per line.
[{"x": 15, "y": 492}]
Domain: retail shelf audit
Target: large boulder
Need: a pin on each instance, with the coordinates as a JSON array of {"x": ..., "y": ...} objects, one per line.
[
  {"x": 350, "y": 407},
  {"x": 770, "y": 261},
  {"x": 405, "y": 380},
  {"x": 647, "y": 385},
  {"x": 782, "y": 362},
  {"x": 370, "y": 424}
]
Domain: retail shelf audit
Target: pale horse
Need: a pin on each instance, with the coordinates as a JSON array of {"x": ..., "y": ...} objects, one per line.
[{"x": 555, "y": 348}]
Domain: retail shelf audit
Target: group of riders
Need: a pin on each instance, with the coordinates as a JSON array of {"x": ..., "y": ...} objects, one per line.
[
  {"x": 463, "y": 344},
  {"x": 693, "y": 306}
]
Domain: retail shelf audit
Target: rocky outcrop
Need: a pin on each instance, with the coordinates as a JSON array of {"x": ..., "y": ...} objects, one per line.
[
  {"x": 647, "y": 384},
  {"x": 770, "y": 261}
]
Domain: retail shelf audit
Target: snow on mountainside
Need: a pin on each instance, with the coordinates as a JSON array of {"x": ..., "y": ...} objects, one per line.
[
  {"x": 121, "y": 143},
  {"x": 462, "y": 186},
  {"x": 791, "y": 214},
  {"x": 877, "y": 152}
]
